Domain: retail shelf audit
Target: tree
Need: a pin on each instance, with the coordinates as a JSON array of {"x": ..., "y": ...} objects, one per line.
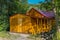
[
  {"x": 46, "y": 5},
  {"x": 8, "y": 8},
  {"x": 3, "y": 15}
]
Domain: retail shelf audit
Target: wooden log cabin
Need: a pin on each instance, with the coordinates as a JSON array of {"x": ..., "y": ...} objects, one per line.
[{"x": 33, "y": 22}]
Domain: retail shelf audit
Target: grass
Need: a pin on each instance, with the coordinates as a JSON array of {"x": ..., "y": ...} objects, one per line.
[
  {"x": 8, "y": 36},
  {"x": 5, "y": 34},
  {"x": 58, "y": 35}
]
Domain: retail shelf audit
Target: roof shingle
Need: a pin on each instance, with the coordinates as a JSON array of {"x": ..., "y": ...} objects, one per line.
[{"x": 48, "y": 14}]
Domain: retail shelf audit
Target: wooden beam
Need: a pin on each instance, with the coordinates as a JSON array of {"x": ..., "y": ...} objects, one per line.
[
  {"x": 47, "y": 25},
  {"x": 44, "y": 25},
  {"x": 50, "y": 24},
  {"x": 37, "y": 25},
  {"x": 37, "y": 22},
  {"x": 41, "y": 25}
]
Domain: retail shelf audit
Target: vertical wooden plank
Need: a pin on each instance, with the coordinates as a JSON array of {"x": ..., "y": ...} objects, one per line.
[
  {"x": 47, "y": 25},
  {"x": 17, "y": 28},
  {"x": 37, "y": 25},
  {"x": 50, "y": 24},
  {"x": 44, "y": 25},
  {"x": 18, "y": 24},
  {"x": 30, "y": 25},
  {"x": 41, "y": 25}
]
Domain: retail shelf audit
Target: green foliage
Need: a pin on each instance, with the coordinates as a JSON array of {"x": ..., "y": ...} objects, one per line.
[
  {"x": 8, "y": 8},
  {"x": 46, "y": 5},
  {"x": 3, "y": 22}
]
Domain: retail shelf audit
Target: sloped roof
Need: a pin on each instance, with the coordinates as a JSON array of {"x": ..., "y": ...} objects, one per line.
[{"x": 48, "y": 14}]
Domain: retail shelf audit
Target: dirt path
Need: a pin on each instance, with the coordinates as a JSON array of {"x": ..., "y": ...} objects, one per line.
[{"x": 18, "y": 36}]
